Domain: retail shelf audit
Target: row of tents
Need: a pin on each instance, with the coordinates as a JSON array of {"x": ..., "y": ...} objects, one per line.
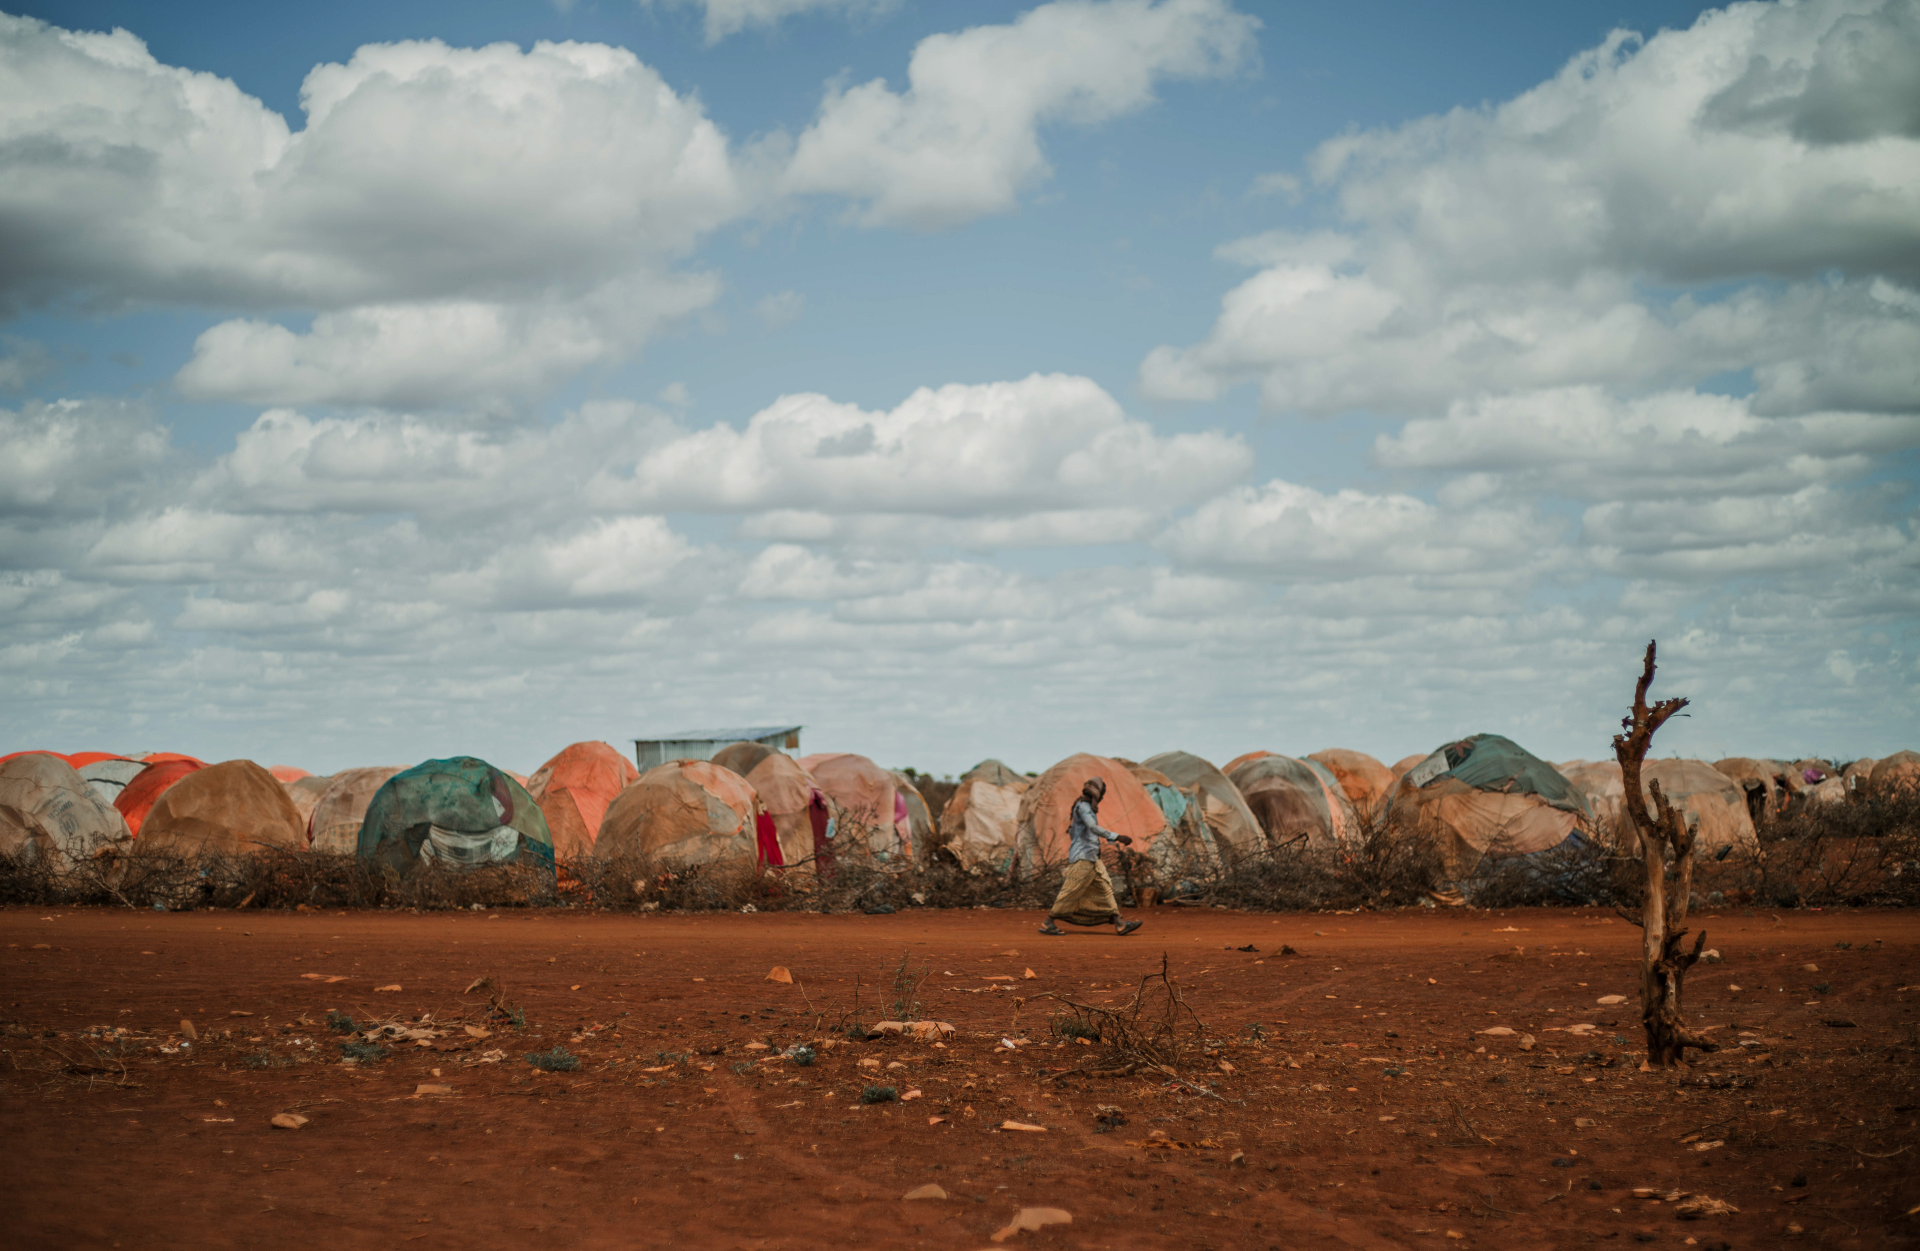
[{"x": 756, "y": 806}]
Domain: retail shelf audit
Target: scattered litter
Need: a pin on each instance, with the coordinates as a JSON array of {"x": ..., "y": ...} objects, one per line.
[
  {"x": 928, "y": 1191},
  {"x": 779, "y": 973},
  {"x": 1498, "y": 1031},
  {"x": 1023, "y": 1127},
  {"x": 1611, "y": 999},
  {"x": 188, "y": 1032},
  {"x": 382, "y": 990},
  {"x": 432, "y": 1088},
  {"x": 1033, "y": 1218},
  {"x": 1526, "y": 1042},
  {"x": 1029, "y": 975},
  {"x": 1700, "y": 1205},
  {"x": 288, "y": 1120}
]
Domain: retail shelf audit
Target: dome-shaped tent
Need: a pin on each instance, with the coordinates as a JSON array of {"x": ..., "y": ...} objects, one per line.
[
  {"x": 742, "y": 758},
  {"x": 1241, "y": 759},
  {"x": 1401, "y": 766},
  {"x": 1187, "y": 844},
  {"x": 1487, "y": 793},
  {"x": 49, "y": 815},
  {"x": 1714, "y": 801},
  {"x": 684, "y": 812},
  {"x": 1365, "y": 781},
  {"x": 305, "y": 793},
  {"x": 919, "y": 816},
  {"x": 335, "y": 818},
  {"x": 1896, "y": 774},
  {"x": 573, "y": 790},
  {"x": 867, "y": 798},
  {"x": 1236, "y": 831},
  {"x": 982, "y": 819},
  {"x": 796, "y": 805},
  {"x": 285, "y": 774},
  {"x": 1296, "y": 799},
  {"x": 108, "y": 775},
  {"x": 1046, "y": 809},
  {"x": 459, "y": 812},
  {"x": 1762, "y": 783},
  {"x": 227, "y": 808},
  {"x": 164, "y": 757},
  {"x": 137, "y": 798}
]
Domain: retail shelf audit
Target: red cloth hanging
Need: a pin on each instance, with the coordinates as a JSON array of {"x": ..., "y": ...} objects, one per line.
[{"x": 769, "y": 841}]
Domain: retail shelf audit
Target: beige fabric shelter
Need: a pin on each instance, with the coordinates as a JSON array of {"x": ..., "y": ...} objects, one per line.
[
  {"x": 1760, "y": 780},
  {"x": 334, "y": 825},
  {"x": 786, "y": 791},
  {"x": 1366, "y": 781},
  {"x": 920, "y": 831},
  {"x": 573, "y": 790},
  {"x": 1400, "y": 767},
  {"x": 1897, "y": 773},
  {"x": 743, "y": 758},
  {"x": 684, "y": 812},
  {"x": 1295, "y": 799},
  {"x": 305, "y": 793},
  {"x": 981, "y": 823},
  {"x": 50, "y": 815},
  {"x": 1467, "y": 822},
  {"x": 862, "y": 793},
  {"x": 1694, "y": 786},
  {"x": 1239, "y": 760},
  {"x": 1046, "y": 809},
  {"x": 107, "y": 778},
  {"x": 227, "y": 808},
  {"x": 1236, "y": 831}
]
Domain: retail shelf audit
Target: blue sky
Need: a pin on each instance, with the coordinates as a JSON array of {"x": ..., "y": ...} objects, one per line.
[{"x": 1295, "y": 376}]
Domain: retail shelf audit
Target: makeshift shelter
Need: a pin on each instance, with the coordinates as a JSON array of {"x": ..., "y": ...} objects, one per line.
[
  {"x": 1046, "y": 809},
  {"x": 1858, "y": 776},
  {"x": 162, "y": 757},
  {"x": 1897, "y": 773},
  {"x": 1187, "y": 844},
  {"x": 1236, "y": 831},
  {"x": 229, "y": 808},
  {"x": 573, "y": 790},
  {"x": 138, "y": 796},
  {"x": 460, "y": 813},
  {"x": 1487, "y": 794},
  {"x": 1239, "y": 760},
  {"x": 867, "y": 800},
  {"x": 334, "y": 820},
  {"x": 681, "y": 813},
  {"x": 1401, "y": 766},
  {"x": 1296, "y": 799},
  {"x": 796, "y": 805},
  {"x": 743, "y": 757},
  {"x": 108, "y": 775},
  {"x": 285, "y": 774},
  {"x": 919, "y": 816},
  {"x": 980, "y": 822},
  {"x": 49, "y": 815},
  {"x": 1365, "y": 781},
  {"x": 1713, "y": 802},
  {"x": 306, "y": 793},
  {"x": 1762, "y": 783}
]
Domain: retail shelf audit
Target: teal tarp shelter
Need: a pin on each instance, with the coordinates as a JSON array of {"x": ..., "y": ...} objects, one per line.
[
  {"x": 460, "y": 812},
  {"x": 1486, "y": 794}
]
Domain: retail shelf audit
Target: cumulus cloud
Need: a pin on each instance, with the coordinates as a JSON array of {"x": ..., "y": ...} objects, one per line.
[
  {"x": 963, "y": 139},
  {"x": 61, "y": 457},
  {"x": 730, "y": 17}
]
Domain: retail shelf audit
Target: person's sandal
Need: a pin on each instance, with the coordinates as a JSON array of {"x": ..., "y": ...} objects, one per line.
[
  {"x": 1128, "y": 928},
  {"x": 1051, "y": 928}
]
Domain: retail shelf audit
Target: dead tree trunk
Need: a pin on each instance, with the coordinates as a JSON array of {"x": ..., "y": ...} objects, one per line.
[{"x": 1664, "y": 838}]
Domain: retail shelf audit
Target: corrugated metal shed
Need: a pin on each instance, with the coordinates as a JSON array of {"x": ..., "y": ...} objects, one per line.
[{"x": 702, "y": 744}]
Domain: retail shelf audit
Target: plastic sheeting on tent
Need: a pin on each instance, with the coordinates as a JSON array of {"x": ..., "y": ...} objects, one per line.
[
  {"x": 460, "y": 812},
  {"x": 227, "y": 808},
  {"x": 866, "y": 798},
  {"x": 1487, "y": 793},
  {"x": 982, "y": 819},
  {"x": 305, "y": 793},
  {"x": 742, "y": 758},
  {"x": 1693, "y": 786},
  {"x": 108, "y": 775},
  {"x": 684, "y": 812},
  {"x": 50, "y": 815},
  {"x": 1896, "y": 773},
  {"x": 285, "y": 774},
  {"x": 1187, "y": 844},
  {"x": 789, "y": 795},
  {"x": 1401, "y": 766},
  {"x": 1366, "y": 782},
  {"x": 1294, "y": 799},
  {"x": 139, "y": 795},
  {"x": 335, "y": 818},
  {"x": 162, "y": 757},
  {"x": 1046, "y": 809},
  {"x": 919, "y": 815},
  {"x": 1239, "y": 760},
  {"x": 1236, "y": 831},
  {"x": 573, "y": 790}
]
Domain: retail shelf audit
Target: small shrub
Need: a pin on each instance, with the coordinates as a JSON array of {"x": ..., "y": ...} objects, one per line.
[
  {"x": 264, "y": 1059},
  {"x": 364, "y": 1052},
  {"x": 801, "y": 1055},
  {"x": 856, "y": 1033},
  {"x": 559, "y": 1060},
  {"x": 1072, "y": 1025},
  {"x": 339, "y": 1022},
  {"x": 879, "y": 1094}
]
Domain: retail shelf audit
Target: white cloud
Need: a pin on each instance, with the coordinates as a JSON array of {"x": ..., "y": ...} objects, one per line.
[
  {"x": 60, "y": 456},
  {"x": 730, "y": 17},
  {"x": 781, "y": 308},
  {"x": 963, "y": 139}
]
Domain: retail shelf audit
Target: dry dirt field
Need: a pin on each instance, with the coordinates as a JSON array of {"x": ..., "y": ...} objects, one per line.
[{"x": 1365, "y": 1107}]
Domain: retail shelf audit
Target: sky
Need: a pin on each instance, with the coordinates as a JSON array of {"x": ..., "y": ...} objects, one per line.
[{"x": 389, "y": 381}]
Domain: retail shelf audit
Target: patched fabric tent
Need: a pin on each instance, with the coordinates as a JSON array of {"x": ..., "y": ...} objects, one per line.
[
  {"x": 1236, "y": 831},
  {"x": 980, "y": 822},
  {"x": 1046, "y": 809},
  {"x": 866, "y": 798},
  {"x": 1713, "y": 802},
  {"x": 681, "y": 813},
  {"x": 285, "y": 774},
  {"x": 919, "y": 816},
  {"x": 1487, "y": 793},
  {"x": 1186, "y": 845},
  {"x": 573, "y": 790},
  {"x": 1295, "y": 799},
  {"x": 108, "y": 775},
  {"x": 1365, "y": 781},
  {"x": 1239, "y": 760},
  {"x": 137, "y": 798},
  {"x": 1897, "y": 773},
  {"x": 50, "y": 815},
  {"x": 163, "y": 757},
  {"x": 335, "y": 818},
  {"x": 223, "y": 809},
  {"x": 1762, "y": 782},
  {"x": 1401, "y": 766},
  {"x": 460, "y": 813},
  {"x": 1858, "y": 775},
  {"x": 796, "y": 805},
  {"x": 305, "y": 793},
  {"x": 743, "y": 757}
]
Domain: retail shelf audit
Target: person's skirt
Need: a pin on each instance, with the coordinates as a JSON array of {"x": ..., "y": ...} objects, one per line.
[{"x": 1086, "y": 896}]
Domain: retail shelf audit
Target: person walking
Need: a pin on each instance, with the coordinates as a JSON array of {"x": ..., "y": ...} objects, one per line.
[{"x": 1086, "y": 895}]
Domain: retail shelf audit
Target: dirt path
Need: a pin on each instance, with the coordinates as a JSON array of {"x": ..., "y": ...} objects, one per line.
[{"x": 1394, "y": 1129}]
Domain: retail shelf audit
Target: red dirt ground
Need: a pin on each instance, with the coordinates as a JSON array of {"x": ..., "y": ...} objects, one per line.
[{"x": 1502, "y": 1148}]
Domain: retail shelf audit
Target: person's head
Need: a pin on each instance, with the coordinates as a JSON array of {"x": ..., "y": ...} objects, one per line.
[{"x": 1094, "y": 791}]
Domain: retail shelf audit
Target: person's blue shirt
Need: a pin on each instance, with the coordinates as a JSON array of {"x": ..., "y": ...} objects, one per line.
[{"x": 1085, "y": 833}]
